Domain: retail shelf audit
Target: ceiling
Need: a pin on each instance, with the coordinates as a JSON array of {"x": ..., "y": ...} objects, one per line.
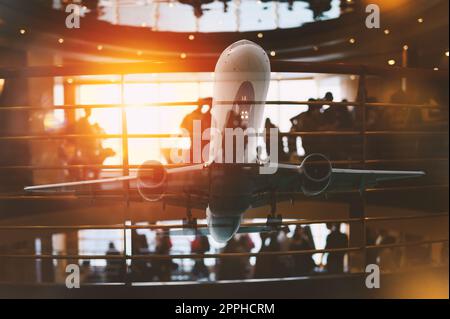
[{"x": 338, "y": 35}]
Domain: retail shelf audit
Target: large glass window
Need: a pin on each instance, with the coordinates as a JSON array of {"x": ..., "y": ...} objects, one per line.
[
  {"x": 216, "y": 16},
  {"x": 141, "y": 89}
]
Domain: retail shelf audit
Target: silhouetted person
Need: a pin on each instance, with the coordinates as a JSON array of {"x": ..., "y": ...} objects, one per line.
[
  {"x": 246, "y": 242},
  {"x": 202, "y": 114},
  {"x": 336, "y": 240},
  {"x": 235, "y": 267},
  {"x": 262, "y": 265},
  {"x": 387, "y": 257},
  {"x": 285, "y": 245},
  {"x": 115, "y": 268},
  {"x": 268, "y": 266},
  {"x": 337, "y": 118},
  {"x": 308, "y": 121},
  {"x": 371, "y": 254},
  {"x": 163, "y": 267},
  {"x": 200, "y": 245},
  {"x": 303, "y": 263},
  {"x": 140, "y": 268},
  {"x": 268, "y": 125},
  {"x": 86, "y": 150}
]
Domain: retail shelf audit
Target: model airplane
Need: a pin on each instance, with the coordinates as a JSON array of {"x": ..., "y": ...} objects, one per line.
[{"x": 225, "y": 190}]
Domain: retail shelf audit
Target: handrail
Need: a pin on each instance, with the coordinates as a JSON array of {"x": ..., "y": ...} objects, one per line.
[
  {"x": 223, "y": 255},
  {"x": 177, "y": 135},
  {"x": 194, "y": 103},
  {"x": 98, "y": 195},
  {"x": 208, "y": 65},
  {"x": 172, "y": 226},
  {"x": 135, "y": 166}
]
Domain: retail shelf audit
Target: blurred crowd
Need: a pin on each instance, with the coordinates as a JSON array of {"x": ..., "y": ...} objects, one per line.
[
  {"x": 343, "y": 118},
  {"x": 84, "y": 154},
  {"x": 274, "y": 262},
  {"x": 342, "y": 123},
  {"x": 281, "y": 254}
]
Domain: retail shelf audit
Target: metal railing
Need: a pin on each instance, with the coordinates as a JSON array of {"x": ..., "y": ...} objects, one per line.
[{"x": 206, "y": 65}]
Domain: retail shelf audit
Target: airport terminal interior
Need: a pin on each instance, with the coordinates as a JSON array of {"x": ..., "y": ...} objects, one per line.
[{"x": 92, "y": 89}]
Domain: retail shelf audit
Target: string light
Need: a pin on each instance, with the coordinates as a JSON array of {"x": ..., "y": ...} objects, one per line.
[
  {"x": 139, "y": 52},
  {"x": 316, "y": 48},
  {"x": 60, "y": 40},
  {"x": 70, "y": 81},
  {"x": 436, "y": 69},
  {"x": 191, "y": 37},
  {"x": 420, "y": 20},
  {"x": 446, "y": 53},
  {"x": 352, "y": 40},
  {"x": 391, "y": 62},
  {"x": 99, "y": 47},
  {"x": 273, "y": 53},
  {"x": 406, "y": 47},
  {"x": 22, "y": 31},
  {"x": 260, "y": 35},
  {"x": 387, "y": 31},
  {"x": 183, "y": 55}
]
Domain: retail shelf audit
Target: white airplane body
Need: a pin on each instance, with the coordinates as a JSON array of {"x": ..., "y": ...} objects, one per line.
[{"x": 224, "y": 190}]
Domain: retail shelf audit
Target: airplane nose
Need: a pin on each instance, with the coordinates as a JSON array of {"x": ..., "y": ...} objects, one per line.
[
  {"x": 222, "y": 228},
  {"x": 241, "y": 57}
]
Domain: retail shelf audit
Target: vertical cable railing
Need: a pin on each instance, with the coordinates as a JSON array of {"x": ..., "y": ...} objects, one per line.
[
  {"x": 125, "y": 168},
  {"x": 362, "y": 194}
]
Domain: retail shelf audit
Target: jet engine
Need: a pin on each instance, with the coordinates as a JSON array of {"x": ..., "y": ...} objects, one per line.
[
  {"x": 316, "y": 174},
  {"x": 152, "y": 180}
]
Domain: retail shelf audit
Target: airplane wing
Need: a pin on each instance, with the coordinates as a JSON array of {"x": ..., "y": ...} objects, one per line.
[
  {"x": 351, "y": 179},
  {"x": 184, "y": 179},
  {"x": 79, "y": 183},
  {"x": 288, "y": 179}
]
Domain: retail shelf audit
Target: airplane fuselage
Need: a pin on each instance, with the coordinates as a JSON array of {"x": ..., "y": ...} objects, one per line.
[{"x": 242, "y": 77}]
